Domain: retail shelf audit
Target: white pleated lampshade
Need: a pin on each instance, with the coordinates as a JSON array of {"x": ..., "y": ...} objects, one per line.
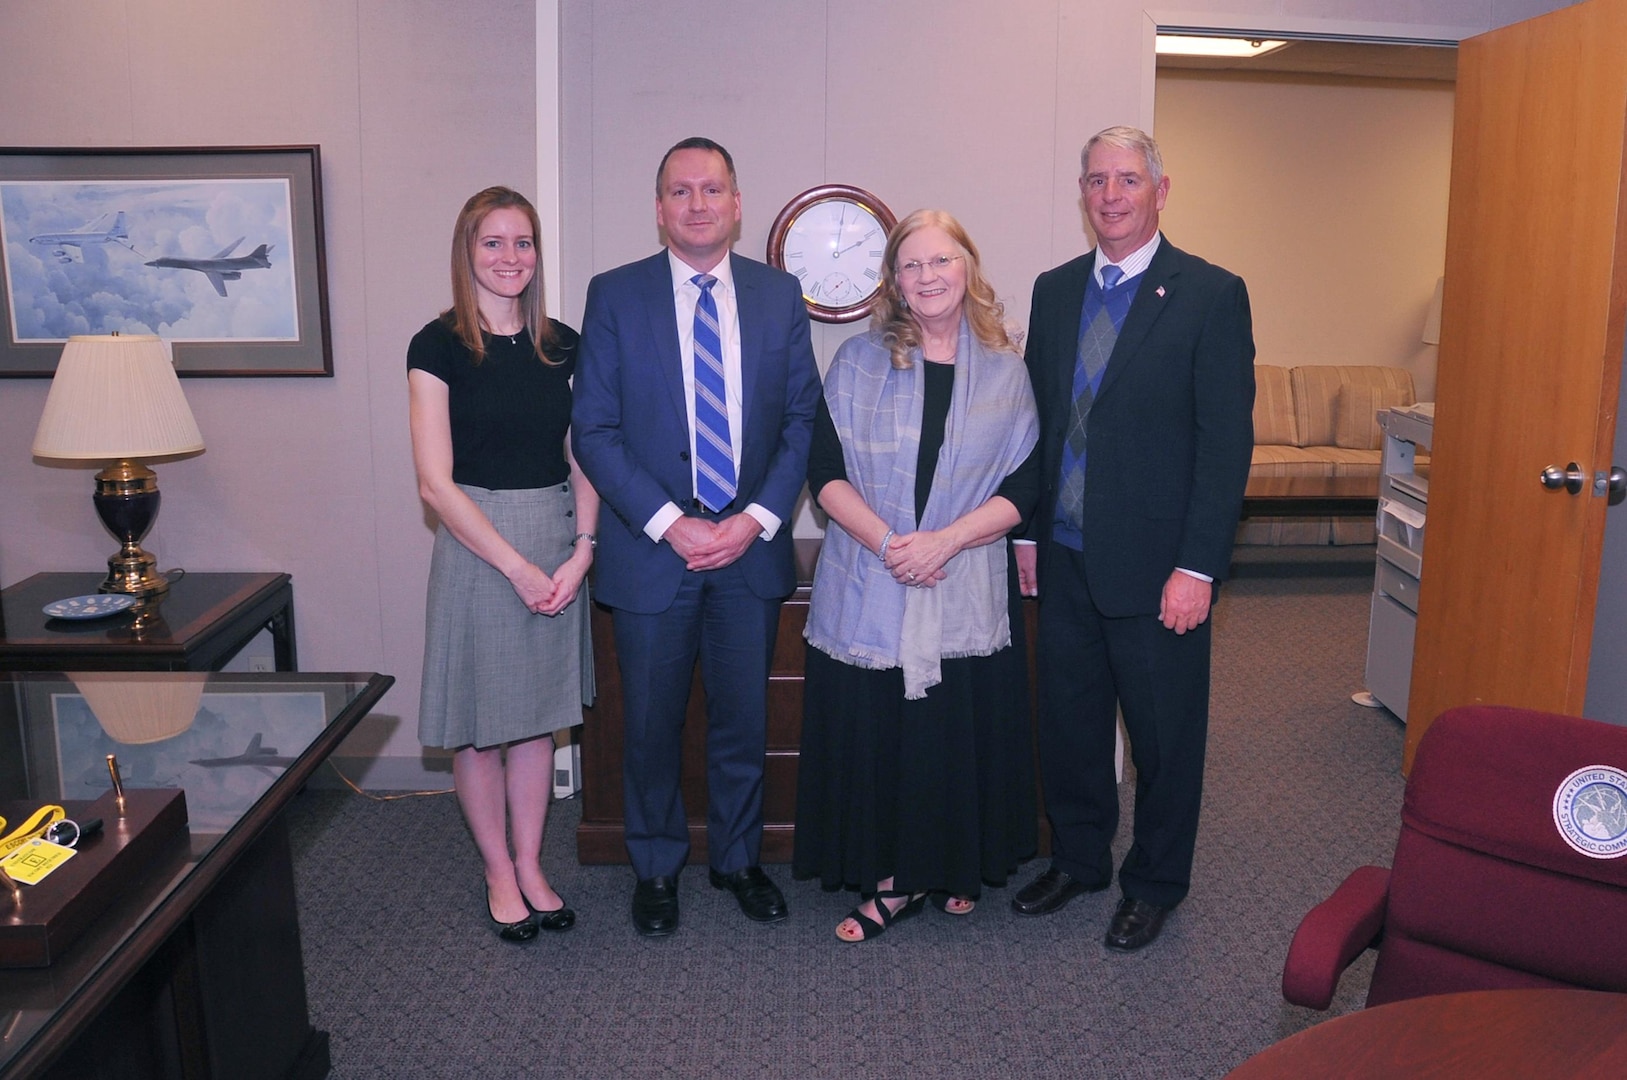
[
  {"x": 115, "y": 397},
  {"x": 137, "y": 708}
]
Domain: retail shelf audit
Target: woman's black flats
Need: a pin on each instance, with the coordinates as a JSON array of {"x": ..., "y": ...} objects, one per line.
[
  {"x": 560, "y": 919},
  {"x": 516, "y": 932}
]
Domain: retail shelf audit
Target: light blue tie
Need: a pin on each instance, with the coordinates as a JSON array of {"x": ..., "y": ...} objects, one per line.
[{"x": 714, "y": 458}]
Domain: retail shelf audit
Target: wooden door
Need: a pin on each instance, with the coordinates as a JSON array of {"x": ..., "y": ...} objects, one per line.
[{"x": 1529, "y": 367}]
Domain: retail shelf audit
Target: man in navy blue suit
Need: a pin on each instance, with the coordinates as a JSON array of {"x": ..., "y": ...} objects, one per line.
[
  {"x": 694, "y": 403},
  {"x": 1141, "y": 357}
]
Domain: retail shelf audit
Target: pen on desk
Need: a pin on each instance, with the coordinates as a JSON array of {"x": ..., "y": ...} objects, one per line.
[{"x": 118, "y": 785}]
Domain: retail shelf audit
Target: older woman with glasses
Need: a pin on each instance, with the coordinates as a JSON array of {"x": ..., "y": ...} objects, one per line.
[{"x": 917, "y": 759}]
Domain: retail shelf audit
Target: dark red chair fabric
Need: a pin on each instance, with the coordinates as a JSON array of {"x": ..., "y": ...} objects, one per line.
[{"x": 1485, "y": 893}]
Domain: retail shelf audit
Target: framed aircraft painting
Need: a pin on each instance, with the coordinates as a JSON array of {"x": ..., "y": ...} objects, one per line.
[
  {"x": 217, "y": 250},
  {"x": 225, "y": 744}
]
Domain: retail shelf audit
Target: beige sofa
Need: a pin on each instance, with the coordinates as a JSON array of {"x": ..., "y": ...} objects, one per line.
[{"x": 1319, "y": 420}]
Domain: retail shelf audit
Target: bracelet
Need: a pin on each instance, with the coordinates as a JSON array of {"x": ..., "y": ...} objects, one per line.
[
  {"x": 881, "y": 552},
  {"x": 593, "y": 541}
]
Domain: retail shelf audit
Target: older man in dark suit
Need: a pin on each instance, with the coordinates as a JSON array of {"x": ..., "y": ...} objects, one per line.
[
  {"x": 695, "y": 396},
  {"x": 1142, "y": 362}
]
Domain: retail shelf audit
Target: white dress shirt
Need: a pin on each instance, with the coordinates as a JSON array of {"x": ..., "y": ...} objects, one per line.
[
  {"x": 686, "y": 295},
  {"x": 1134, "y": 263}
]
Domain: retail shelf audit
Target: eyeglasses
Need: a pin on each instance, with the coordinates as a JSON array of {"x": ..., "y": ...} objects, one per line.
[{"x": 940, "y": 263}]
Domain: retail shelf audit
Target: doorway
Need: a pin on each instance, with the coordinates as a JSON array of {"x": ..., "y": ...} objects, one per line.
[{"x": 1319, "y": 173}]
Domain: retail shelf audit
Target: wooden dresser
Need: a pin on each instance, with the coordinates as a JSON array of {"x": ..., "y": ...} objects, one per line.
[{"x": 600, "y": 839}]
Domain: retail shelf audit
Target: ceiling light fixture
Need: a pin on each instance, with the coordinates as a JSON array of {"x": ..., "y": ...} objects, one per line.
[{"x": 1189, "y": 45}]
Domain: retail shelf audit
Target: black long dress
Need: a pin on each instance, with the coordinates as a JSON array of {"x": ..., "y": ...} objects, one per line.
[{"x": 937, "y": 793}]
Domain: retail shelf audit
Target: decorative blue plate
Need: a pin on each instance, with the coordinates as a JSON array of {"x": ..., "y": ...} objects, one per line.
[{"x": 90, "y": 607}]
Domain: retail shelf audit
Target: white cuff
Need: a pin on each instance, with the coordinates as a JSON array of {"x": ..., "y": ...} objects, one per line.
[
  {"x": 657, "y": 526},
  {"x": 767, "y": 519}
]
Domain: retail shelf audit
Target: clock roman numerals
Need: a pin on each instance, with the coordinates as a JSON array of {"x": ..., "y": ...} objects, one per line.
[{"x": 833, "y": 239}]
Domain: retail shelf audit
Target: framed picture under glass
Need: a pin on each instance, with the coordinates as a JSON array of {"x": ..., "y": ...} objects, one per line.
[
  {"x": 224, "y": 741},
  {"x": 217, "y": 250}
]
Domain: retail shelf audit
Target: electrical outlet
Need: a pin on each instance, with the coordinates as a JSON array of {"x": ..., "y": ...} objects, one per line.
[{"x": 261, "y": 663}]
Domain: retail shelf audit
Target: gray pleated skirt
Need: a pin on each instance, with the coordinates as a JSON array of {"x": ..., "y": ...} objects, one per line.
[{"x": 493, "y": 671}]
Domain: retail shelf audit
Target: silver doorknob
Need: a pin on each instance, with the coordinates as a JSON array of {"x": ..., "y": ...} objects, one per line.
[
  {"x": 1616, "y": 483},
  {"x": 1571, "y": 478}
]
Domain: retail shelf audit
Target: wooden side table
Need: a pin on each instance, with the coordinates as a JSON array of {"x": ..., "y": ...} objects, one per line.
[
  {"x": 199, "y": 625},
  {"x": 1311, "y": 496}
]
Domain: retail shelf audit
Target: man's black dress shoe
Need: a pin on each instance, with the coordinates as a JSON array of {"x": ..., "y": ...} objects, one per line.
[
  {"x": 655, "y": 906},
  {"x": 759, "y": 897},
  {"x": 1050, "y": 891},
  {"x": 1135, "y": 924}
]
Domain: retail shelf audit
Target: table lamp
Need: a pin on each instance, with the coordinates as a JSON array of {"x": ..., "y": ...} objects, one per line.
[{"x": 116, "y": 399}]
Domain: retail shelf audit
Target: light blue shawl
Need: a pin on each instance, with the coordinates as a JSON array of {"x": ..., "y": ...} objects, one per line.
[{"x": 858, "y": 614}]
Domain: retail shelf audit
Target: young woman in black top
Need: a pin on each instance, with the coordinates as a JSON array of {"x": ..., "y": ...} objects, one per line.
[{"x": 507, "y": 659}]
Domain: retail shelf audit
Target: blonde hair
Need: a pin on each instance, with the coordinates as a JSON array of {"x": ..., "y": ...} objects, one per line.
[
  {"x": 464, "y": 314},
  {"x": 890, "y": 318}
]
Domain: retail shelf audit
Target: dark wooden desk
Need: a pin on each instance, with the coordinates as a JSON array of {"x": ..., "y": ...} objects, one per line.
[
  {"x": 1311, "y": 496},
  {"x": 198, "y": 625},
  {"x": 195, "y": 970},
  {"x": 1481, "y": 1035}
]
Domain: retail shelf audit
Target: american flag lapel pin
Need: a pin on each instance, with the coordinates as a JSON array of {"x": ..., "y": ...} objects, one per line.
[{"x": 1160, "y": 290}]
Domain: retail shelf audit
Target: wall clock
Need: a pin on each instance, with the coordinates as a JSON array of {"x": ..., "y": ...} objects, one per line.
[{"x": 832, "y": 238}]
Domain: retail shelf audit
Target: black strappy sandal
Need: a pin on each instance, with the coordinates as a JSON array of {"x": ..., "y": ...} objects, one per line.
[{"x": 869, "y": 928}]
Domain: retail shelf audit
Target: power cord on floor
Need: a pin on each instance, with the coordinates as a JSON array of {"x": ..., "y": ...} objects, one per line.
[{"x": 353, "y": 786}]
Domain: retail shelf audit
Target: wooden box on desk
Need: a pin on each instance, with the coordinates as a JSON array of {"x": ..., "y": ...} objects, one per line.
[{"x": 53, "y": 913}]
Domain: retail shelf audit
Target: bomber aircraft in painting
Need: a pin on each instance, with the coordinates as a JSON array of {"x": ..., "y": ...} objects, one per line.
[
  {"x": 220, "y": 269},
  {"x": 69, "y": 247},
  {"x": 254, "y": 754}
]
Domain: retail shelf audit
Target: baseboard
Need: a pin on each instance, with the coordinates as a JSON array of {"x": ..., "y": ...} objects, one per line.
[{"x": 431, "y": 772}]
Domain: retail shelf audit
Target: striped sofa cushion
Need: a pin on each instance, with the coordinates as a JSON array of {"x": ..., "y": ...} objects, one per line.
[
  {"x": 1274, "y": 407},
  {"x": 1317, "y": 389}
]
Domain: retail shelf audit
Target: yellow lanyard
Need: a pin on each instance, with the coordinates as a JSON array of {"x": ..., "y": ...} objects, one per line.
[{"x": 38, "y": 822}]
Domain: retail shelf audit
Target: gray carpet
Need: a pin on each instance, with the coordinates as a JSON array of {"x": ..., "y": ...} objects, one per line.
[{"x": 1302, "y": 786}]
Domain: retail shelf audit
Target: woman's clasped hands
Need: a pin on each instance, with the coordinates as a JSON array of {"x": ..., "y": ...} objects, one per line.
[{"x": 917, "y": 559}]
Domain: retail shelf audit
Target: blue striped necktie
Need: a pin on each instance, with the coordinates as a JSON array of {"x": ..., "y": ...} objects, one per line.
[{"x": 714, "y": 458}]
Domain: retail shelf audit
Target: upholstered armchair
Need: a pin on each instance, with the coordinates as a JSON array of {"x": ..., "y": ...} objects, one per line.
[{"x": 1510, "y": 870}]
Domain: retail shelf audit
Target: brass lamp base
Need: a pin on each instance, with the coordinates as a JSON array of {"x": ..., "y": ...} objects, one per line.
[
  {"x": 127, "y": 501},
  {"x": 133, "y": 571}
]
